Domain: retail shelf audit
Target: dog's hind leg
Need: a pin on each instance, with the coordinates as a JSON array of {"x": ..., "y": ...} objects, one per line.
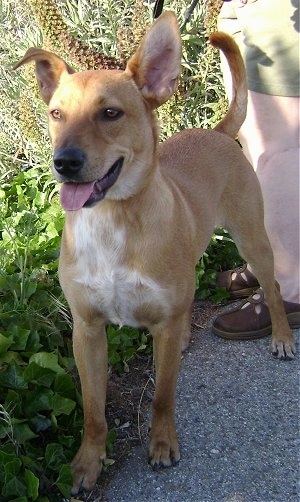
[
  {"x": 90, "y": 351},
  {"x": 254, "y": 246},
  {"x": 167, "y": 343},
  {"x": 186, "y": 329}
]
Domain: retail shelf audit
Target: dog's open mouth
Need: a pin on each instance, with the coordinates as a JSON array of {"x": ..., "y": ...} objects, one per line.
[{"x": 74, "y": 196}]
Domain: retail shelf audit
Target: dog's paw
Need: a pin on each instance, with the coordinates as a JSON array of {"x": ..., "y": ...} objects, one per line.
[
  {"x": 284, "y": 349},
  {"x": 86, "y": 468},
  {"x": 163, "y": 450}
]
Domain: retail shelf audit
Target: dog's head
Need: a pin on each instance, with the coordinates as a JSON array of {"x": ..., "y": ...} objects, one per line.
[{"x": 101, "y": 122}]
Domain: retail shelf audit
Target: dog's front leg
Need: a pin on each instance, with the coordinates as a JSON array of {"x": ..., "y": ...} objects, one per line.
[
  {"x": 90, "y": 351},
  {"x": 167, "y": 341}
]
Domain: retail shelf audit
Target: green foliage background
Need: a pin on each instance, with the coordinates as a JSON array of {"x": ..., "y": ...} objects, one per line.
[{"x": 40, "y": 403}]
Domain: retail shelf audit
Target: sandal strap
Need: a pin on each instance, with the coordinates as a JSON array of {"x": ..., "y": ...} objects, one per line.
[
  {"x": 253, "y": 300},
  {"x": 243, "y": 279}
]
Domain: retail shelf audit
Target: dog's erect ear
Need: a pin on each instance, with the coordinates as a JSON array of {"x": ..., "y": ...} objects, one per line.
[
  {"x": 156, "y": 65},
  {"x": 48, "y": 69}
]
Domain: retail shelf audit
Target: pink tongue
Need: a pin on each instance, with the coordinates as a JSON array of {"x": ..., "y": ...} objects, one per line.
[{"x": 74, "y": 195}]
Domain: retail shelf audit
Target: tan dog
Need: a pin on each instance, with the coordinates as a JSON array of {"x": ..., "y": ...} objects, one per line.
[{"x": 139, "y": 216}]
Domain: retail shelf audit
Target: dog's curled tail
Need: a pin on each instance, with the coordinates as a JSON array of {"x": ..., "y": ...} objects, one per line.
[{"x": 236, "y": 114}]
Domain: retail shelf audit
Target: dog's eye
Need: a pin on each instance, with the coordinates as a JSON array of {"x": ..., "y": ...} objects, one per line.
[
  {"x": 112, "y": 114},
  {"x": 56, "y": 114}
]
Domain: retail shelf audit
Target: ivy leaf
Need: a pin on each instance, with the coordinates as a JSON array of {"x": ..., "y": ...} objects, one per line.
[
  {"x": 13, "y": 377},
  {"x": 12, "y": 465},
  {"x": 62, "y": 405},
  {"x": 38, "y": 400},
  {"x": 5, "y": 342},
  {"x": 20, "y": 337},
  {"x": 22, "y": 431},
  {"x": 8, "y": 357},
  {"x": 31, "y": 464},
  {"x": 35, "y": 373},
  {"x": 14, "y": 487},
  {"x": 54, "y": 456},
  {"x": 5, "y": 458},
  {"x": 64, "y": 386},
  {"x": 33, "y": 342},
  {"x": 64, "y": 480},
  {"x": 32, "y": 484},
  {"x": 47, "y": 360}
]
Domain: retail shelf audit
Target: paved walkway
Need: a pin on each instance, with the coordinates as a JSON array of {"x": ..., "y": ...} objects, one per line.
[{"x": 238, "y": 427}]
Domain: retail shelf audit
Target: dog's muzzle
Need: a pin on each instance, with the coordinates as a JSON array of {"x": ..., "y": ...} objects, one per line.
[
  {"x": 74, "y": 196},
  {"x": 68, "y": 162}
]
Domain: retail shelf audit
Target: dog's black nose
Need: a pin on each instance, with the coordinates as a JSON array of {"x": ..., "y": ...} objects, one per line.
[{"x": 68, "y": 161}]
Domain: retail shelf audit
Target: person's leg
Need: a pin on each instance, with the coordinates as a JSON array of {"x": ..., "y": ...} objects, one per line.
[{"x": 270, "y": 140}]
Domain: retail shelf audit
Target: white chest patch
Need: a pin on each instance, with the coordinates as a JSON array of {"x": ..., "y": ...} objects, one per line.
[{"x": 113, "y": 288}]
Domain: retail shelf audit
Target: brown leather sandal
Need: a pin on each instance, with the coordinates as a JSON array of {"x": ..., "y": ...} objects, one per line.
[
  {"x": 252, "y": 320},
  {"x": 239, "y": 282}
]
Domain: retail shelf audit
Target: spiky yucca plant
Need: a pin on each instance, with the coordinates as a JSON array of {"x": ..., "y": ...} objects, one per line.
[
  {"x": 212, "y": 11},
  {"x": 130, "y": 35},
  {"x": 58, "y": 38}
]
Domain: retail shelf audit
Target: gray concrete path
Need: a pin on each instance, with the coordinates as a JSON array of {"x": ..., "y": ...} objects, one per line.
[{"x": 238, "y": 427}]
